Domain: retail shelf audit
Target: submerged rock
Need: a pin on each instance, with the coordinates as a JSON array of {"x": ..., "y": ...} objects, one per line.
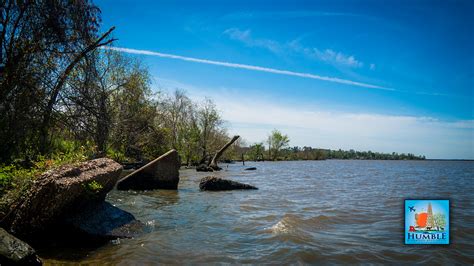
[
  {"x": 213, "y": 183},
  {"x": 163, "y": 172},
  {"x": 60, "y": 193},
  {"x": 204, "y": 168},
  {"x": 250, "y": 169},
  {"x": 13, "y": 251},
  {"x": 105, "y": 222}
]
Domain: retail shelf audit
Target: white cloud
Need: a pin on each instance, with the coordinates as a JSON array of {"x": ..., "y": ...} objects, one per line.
[
  {"x": 290, "y": 15},
  {"x": 237, "y": 34},
  {"x": 337, "y": 58},
  {"x": 250, "y": 67},
  {"x": 372, "y": 66},
  {"x": 310, "y": 126},
  {"x": 246, "y": 38},
  {"x": 328, "y": 55}
]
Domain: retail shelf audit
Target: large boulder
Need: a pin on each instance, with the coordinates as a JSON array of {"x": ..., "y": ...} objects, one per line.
[
  {"x": 105, "y": 222},
  {"x": 161, "y": 173},
  {"x": 13, "y": 251},
  {"x": 213, "y": 183},
  {"x": 61, "y": 192}
]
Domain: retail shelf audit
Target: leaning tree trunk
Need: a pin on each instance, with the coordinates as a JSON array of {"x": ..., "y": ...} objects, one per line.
[
  {"x": 47, "y": 115},
  {"x": 216, "y": 157}
]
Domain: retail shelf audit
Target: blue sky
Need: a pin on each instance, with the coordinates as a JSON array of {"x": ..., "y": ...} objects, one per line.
[{"x": 383, "y": 76}]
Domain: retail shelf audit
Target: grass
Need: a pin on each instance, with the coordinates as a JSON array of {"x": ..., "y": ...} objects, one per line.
[{"x": 92, "y": 188}]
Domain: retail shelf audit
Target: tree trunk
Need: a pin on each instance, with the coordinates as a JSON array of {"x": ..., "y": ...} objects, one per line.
[
  {"x": 213, "y": 163},
  {"x": 269, "y": 152},
  {"x": 102, "y": 130},
  {"x": 47, "y": 115}
]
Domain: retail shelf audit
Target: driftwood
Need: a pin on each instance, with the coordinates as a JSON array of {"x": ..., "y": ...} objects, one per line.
[{"x": 216, "y": 157}]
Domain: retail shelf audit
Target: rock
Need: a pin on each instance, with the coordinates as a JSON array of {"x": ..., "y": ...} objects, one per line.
[
  {"x": 204, "y": 168},
  {"x": 213, "y": 183},
  {"x": 105, "y": 222},
  {"x": 13, "y": 251},
  {"x": 163, "y": 172},
  {"x": 250, "y": 169},
  {"x": 135, "y": 165},
  {"x": 60, "y": 192}
]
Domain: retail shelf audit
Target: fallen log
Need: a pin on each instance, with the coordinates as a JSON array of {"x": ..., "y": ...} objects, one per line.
[{"x": 216, "y": 157}]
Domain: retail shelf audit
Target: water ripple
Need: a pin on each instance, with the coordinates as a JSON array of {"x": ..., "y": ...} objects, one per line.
[{"x": 344, "y": 212}]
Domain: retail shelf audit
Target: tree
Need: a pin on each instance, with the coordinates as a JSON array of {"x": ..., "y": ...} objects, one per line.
[
  {"x": 178, "y": 110},
  {"x": 276, "y": 141},
  {"x": 178, "y": 116},
  {"x": 88, "y": 99},
  {"x": 256, "y": 151},
  {"x": 209, "y": 123},
  {"x": 137, "y": 130},
  {"x": 439, "y": 219},
  {"x": 58, "y": 85},
  {"x": 41, "y": 43}
]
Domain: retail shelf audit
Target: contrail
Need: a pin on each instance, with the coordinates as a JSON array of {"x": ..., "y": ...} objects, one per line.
[{"x": 248, "y": 67}]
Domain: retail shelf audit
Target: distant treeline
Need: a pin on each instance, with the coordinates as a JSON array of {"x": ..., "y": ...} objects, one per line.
[
  {"x": 258, "y": 153},
  {"x": 369, "y": 155},
  {"x": 276, "y": 148}
]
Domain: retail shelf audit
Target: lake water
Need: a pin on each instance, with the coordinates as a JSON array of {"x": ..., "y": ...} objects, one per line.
[{"x": 333, "y": 211}]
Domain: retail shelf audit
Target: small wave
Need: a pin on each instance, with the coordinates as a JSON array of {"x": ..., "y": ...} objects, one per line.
[
  {"x": 280, "y": 227},
  {"x": 150, "y": 223},
  {"x": 291, "y": 223}
]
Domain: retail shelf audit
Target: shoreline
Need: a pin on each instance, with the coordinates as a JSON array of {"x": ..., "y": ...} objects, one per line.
[{"x": 461, "y": 160}]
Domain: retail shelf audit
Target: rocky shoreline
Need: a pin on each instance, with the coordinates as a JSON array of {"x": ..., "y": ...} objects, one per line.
[{"x": 68, "y": 204}]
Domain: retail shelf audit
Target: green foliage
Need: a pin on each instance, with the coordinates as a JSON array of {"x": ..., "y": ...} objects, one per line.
[
  {"x": 60, "y": 105},
  {"x": 305, "y": 153},
  {"x": 5, "y": 178},
  {"x": 369, "y": 155},
  {"x": 276, "y": 141},
  {"x": 256, "y": 152},
  {"x": 116, "y": 155},
  {"x": 93, "y": 187},
  {"x": 40, "y": 39},
  {"x": 16, "y": 179}
]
